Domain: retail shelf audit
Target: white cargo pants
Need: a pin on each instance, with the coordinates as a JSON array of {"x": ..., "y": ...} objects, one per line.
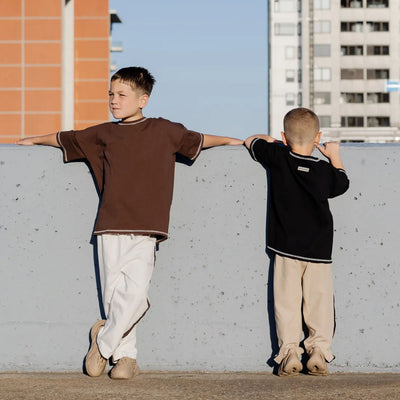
[{"x": 126, "y": 264}]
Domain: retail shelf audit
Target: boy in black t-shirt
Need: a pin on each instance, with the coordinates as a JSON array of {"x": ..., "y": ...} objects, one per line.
[{"x": 300, "y": 234}]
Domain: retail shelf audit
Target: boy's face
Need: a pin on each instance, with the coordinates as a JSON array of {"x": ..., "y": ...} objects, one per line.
[{"x": 126, "y": 103}]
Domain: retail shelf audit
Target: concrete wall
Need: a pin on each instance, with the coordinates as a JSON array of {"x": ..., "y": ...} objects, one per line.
[{"x": 210, "y": 292}]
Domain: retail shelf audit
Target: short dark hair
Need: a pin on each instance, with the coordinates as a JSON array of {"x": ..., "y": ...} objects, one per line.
[{"x": 136, "y": 77}]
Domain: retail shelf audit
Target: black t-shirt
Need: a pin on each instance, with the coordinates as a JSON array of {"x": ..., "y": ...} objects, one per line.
[{"x": 300, "y": 223}]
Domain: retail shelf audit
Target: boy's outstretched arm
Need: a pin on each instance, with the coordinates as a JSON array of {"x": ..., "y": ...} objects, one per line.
[
  {"x": 46, "y": 140},
  {"x": 331, "y": 151},
  {"x": 267, "y": 138},
  {"x": 211, "y": 141}
]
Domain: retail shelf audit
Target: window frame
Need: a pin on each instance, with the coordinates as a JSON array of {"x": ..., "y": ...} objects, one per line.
[
  {"x": 378, "y": 73},
  {"x": 352, "y": 97},
  {"x": 358, "y": 121},
  {"x": 279, "y": 27},
  {"x": 377, "y": 50},
  {"x": 320, "y": 46},
  {"x": 351, "y": 50}
]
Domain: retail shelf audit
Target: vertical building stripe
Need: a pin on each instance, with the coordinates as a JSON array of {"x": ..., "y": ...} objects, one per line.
[
  {"x": 67, "y": 71},
  {"x": 23, "y": 68}
]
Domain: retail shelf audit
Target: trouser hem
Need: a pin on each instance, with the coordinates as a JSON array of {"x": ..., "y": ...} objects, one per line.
[{"x": 283, "y": 351}]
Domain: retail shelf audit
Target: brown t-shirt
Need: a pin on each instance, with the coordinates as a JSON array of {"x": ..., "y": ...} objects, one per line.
[{"x": 134, "y": 166}]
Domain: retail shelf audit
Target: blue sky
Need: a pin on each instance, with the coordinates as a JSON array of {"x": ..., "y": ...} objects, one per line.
[{"x": 209, "y": 58}]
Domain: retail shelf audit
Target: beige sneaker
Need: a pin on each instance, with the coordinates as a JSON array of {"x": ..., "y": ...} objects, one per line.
[
  {"x": 290, "y": 365},
  {"x": 95, "y": 363},
  {"x": 125, "y": 368},
  {"x": 316, "y": 365}
]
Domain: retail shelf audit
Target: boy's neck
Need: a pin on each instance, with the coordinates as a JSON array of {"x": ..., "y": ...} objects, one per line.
[
  {"x": 303, "y": 150},
  {"x": 133, "y": 118}
]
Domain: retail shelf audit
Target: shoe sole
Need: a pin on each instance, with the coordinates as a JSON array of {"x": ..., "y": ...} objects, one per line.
[
  {"x": 293, "y": 373},
  {"x": 93, "y": 343},
  {"x": 124, "y": 378},
  {"x": 322, "y": 373},
  {"x": 288, "y": 373}
]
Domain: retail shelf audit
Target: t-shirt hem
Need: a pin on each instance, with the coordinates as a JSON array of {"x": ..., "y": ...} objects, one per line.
[
  {"x": 200, "y": 146},
  {"x": 252, "y": 149},
  {"x": 159, "y": 235},
  {"x": 301, "y": 258},
  {"x": 64, "y": 150}
]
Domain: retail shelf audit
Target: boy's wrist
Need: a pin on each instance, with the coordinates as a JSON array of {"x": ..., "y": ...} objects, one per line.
[
  {"x": 235, "y": 142},
  {"x": 336, "y": 161}
]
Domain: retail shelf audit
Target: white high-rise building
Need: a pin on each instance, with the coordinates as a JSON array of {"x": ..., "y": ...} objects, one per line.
[{"x": 341, "y": 58}]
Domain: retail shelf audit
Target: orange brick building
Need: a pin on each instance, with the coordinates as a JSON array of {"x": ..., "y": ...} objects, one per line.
[{"x": 54, "y": 66}]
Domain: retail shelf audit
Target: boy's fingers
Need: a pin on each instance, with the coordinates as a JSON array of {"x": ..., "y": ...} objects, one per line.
[{"x": 24, "y": 142}]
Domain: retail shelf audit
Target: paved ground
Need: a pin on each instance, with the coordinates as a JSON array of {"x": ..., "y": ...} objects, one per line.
[{"x": 199, "y": 386}]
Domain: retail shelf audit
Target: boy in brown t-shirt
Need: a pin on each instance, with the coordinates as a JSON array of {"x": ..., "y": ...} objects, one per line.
[{"x": 133, "y": 162}]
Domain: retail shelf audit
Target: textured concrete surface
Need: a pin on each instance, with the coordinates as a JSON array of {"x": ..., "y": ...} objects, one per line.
[
  {"x": 199, "y": 386},
  {"x": 211, "y": 291}
]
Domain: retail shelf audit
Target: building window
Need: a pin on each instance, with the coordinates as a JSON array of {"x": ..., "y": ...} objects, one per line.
[
  {"x": 377, "y": 3},
  {"x": 355, "y": 26},
  {"x": 377, "y": 50},
  {"x": 377, "y": 74},
  {"x": 373, "y": 98},
  {"x": 351, "y": 3},
  {"x": 285, "y": 5},
  {"x": 352, "y": 122},
  {"x": 324, "y": 121},
  {"x": 322, "y": 98},
  {"x": 290, "y": 52},
  {"x": 351, "y": 50},
  {"x": 352, "y": 97},
  {"x": 285, "y": 29},
  {"x": 299, "y": 52},
  {"x": 377, "y": 26},
  {"x": 290, "y": 99},
  {"x": 378, "y": 121},
  {"x": 290, "y": 75},
  {"x": 352, "y": 73},
  {"x": 299, "y": 99},
  {"x": 322, "y": 50},
  {"x": 322, "y": 4},
  {"x": 322, "y": 26},
  {"x": 322, "y": 74}
]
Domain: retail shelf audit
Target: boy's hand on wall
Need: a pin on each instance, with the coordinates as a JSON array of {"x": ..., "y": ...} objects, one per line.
[
  {"x": 25, "y": 142},
  {"x": 328, "y": 149},
  {"x": 331, "y": 150},
  {"x": 267, "y": 138},
  {"x": 46, "y": 140}
]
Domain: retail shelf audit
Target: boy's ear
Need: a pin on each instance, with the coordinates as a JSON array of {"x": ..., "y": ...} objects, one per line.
[
  {"x": 143, "y": 100},
  {"x": 318, "y": 137},
  {"x": 284, "y": 140}
]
